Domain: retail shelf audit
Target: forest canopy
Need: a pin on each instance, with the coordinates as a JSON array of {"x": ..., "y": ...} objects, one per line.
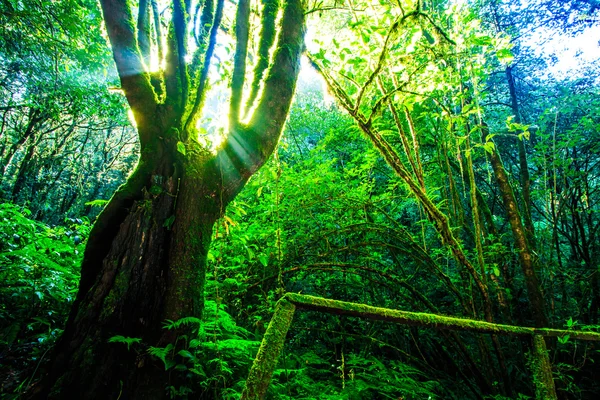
[{"x": 176, "y": 174}]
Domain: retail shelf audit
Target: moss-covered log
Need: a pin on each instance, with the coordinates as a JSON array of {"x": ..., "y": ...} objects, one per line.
[
  {"x": 266, "y": 359},
  {"x": 268, "y": 353},
  {"x": 426, "y": 320}
]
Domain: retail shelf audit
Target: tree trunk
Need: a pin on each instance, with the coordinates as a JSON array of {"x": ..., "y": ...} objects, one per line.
[
  {"x": 523, "y": 164},
  {"x": 526, "y": 257},
  {"x": 152, "y": 271},
  {"x": 24, "y": 174}
]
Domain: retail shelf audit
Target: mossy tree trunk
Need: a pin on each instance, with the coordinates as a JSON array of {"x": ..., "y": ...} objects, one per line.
[
  {"x": 524, "y": 178},
  {"x": 146, "y": 255},
  {"x": 522, "y": 246}
]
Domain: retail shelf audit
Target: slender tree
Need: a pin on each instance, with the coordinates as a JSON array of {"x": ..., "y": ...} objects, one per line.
[{"x": 145, "y": 259}]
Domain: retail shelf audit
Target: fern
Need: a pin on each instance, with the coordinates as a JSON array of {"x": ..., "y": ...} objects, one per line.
[
  {"x": 162, "y": 353},
  {"x": 169, "y": 324},
  {"x": 126, "y": 340},
  {"x": 96, "y": 203}
]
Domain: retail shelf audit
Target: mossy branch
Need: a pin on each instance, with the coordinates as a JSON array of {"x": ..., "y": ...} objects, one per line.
[
  {"x": 268, "y": 353},
  {"x": 273, "y": 341},
  {"x": 426, "y": 320},
  {"x": 242, "y": 28},
  {"x": 248, "y": 147},
  {"x": 201, "y": 86},
  {"x": 143, "y": 31},
  {"x": 180, "y": 24},
  {"x": 157, "y": 30},
  {"x": 267, "y": 38},
  {"x": 135, "y": 81},
  {"x": 380, "y": 63},
  {"x": 542, "y": 370}
]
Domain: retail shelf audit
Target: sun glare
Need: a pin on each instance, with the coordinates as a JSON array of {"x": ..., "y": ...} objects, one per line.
[{"x": 131, "y": 118}]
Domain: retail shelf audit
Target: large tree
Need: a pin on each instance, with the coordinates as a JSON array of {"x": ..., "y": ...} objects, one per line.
[{"x": 145, "y": 258}]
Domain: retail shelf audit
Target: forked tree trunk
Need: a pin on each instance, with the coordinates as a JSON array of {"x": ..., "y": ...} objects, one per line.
[{"x": 145, "y": 260}]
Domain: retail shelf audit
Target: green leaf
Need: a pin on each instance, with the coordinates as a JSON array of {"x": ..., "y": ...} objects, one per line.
[
  {"x": 505, "y": 56},
  {"x": 264, "y": 260},
  {"x": 489, "y": 147},
  {"x": 187, "y": 354},
  {"x": 428, "y": 36},
  {"x": 96, "y": 203},
  {"x": 365, "y": 37},
  {"x": 181, "y": 148},
  {"x": 161, "y": 353},
  {"x": 482, "y": 41},
  {"x": 123, "y": 339},
  {"x": 564, "y": 339},
  {"x": 169, "y": 222}
]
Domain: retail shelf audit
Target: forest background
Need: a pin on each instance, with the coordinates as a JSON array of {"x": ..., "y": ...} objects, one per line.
[{"x": 433, "y": 160}]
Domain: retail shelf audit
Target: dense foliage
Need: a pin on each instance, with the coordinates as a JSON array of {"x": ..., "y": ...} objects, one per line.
[{"x": 442, "y": 170}]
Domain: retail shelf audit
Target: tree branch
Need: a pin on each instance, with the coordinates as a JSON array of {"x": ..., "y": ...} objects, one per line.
[
  {"x": 208, "y": 54},
  {"x": 143, "y": 32},
  {"x": 242, "y": 28},
  {"x": 135, "y": 81},
  {"x": 267, "y": 38},
  {"x": 248, "y": 147}
]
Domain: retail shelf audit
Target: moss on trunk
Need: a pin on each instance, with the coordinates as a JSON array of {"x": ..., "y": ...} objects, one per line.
[
  {"x": 145, "y": 259},
  {"x": 542, "y": 370}
]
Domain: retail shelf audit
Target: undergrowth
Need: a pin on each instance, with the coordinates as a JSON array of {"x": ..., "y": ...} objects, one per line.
[{"x": 39, "y": 274}]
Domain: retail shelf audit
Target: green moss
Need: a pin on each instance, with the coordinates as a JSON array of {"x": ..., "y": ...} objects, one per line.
[
  {"x": 581, "y": 335},
  {"x": 542, "y": 370},
  {"x": 403, "y": 317},
  {"x": 155, "y": 190},
  {"x": 272, "y": 343}
]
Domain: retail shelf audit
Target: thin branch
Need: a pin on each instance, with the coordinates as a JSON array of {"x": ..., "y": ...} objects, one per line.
[
  {"x": 267, "y": 38},
  {"x": 135, "y": 81},
  {"x": 158, "y": 30},
  {"x": 203, "y": 77},
  {"x": 380, "y": 63},
  {"x": 180, "y": 22},
  {"x": 143, "y": 31},
  {"x": 242, "y": 28}
]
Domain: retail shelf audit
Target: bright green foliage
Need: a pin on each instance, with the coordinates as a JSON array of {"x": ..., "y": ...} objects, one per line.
[
  {"x": 314, "y": 220},
  {"x": 307, "y": 376},
  {"x": 39, "y": 271},
  {"x": 64, "y": 138}
]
